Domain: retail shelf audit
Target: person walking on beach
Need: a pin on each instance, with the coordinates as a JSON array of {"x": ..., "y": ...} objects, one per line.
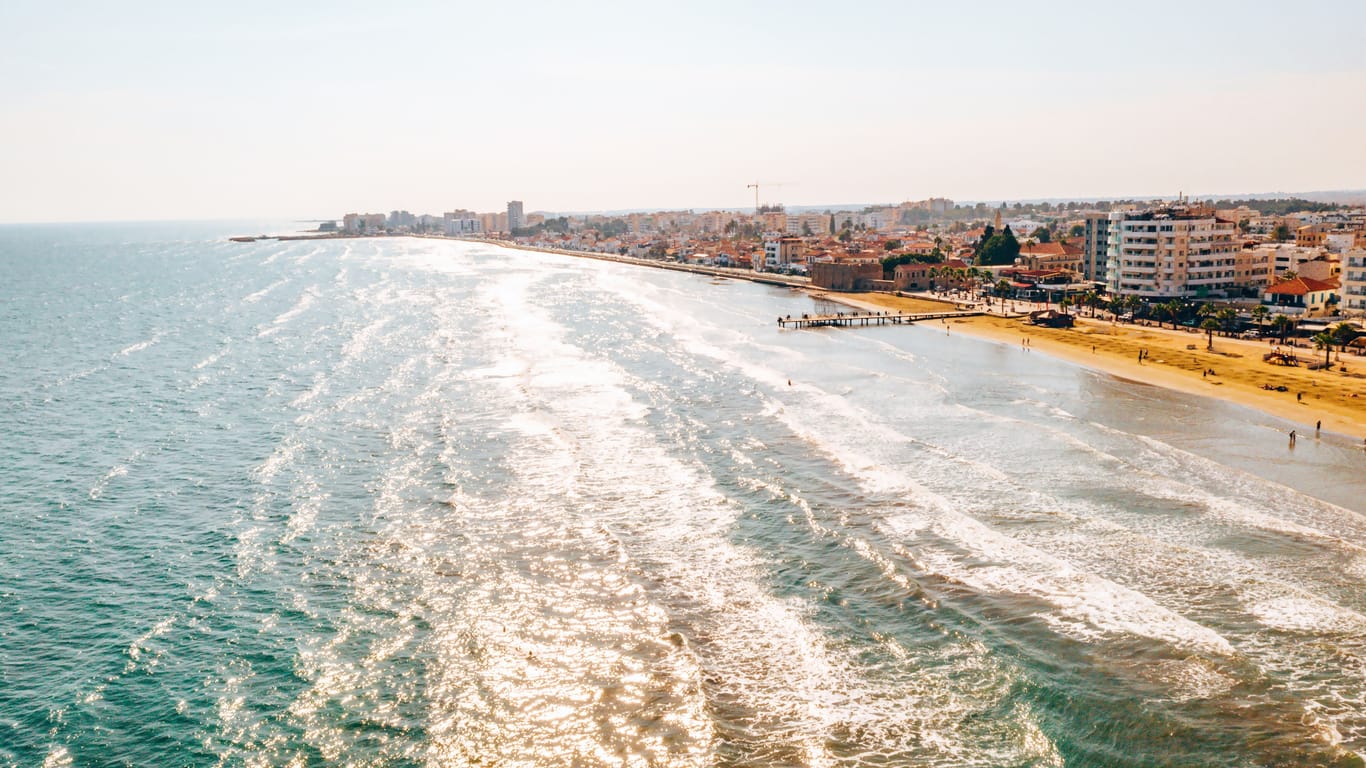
[
  {"x": 1292, "y": 438},
  {"x": 1318, "y": 425}
]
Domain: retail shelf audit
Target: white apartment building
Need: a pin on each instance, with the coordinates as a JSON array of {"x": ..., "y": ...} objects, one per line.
[
  {"x": 1177, "y": 251},
  {"x": 780, "y": 251},
  {"x": 461, "y": 223},
  {"x": 355, "y": 223},
  {"x": 1314, "y": 262},
  {"x": 808, "y": 223},
  {"x": 1354, "y": 281}
]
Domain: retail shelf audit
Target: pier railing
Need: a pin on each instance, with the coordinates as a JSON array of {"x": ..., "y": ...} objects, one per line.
[{"x": 861, "y": 319}]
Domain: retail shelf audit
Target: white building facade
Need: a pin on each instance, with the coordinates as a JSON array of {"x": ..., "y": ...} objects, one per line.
[
  {"x": 1354, "y": 281},
  {"x": 1172, "y": 252}
]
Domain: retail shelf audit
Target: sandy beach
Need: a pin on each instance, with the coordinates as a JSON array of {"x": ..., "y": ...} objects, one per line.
[{"x": 1178, "y": 359}]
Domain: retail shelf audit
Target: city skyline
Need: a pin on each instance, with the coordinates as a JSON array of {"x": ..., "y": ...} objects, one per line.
[{"x": 147, "y": 113}]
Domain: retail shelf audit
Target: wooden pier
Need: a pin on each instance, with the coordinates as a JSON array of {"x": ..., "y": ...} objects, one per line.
[{"x": 860, "y": 319}]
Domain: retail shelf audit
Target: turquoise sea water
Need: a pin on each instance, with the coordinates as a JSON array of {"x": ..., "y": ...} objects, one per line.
[{"x": 410, "y": 502}]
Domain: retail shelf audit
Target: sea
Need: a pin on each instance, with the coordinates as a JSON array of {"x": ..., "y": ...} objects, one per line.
[{"x": 418, "y": 502}]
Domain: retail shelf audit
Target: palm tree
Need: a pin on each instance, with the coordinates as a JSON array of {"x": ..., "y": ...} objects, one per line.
[
  {"x": 1282, "y": 325},
  {"x": 1132, "y": 304},
  {"x": 1259, "y": 314},
  {"x": 1324, "y": 340},
  {"x": 1209, "y": 326},
  {"x": 1090, "y": 299},
  {"x": 973, "y": 274},
  {"x": 1173, "y": 310},
  {"x": 1064, "y": 304},
  {"x": 1205, "y": 310},
  {"x": 1343, "y": 334},
  {"x": 1228, "y": 319}
]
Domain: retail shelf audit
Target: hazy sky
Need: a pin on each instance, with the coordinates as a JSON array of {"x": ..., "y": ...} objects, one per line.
[{"x": 140, "y": 110}]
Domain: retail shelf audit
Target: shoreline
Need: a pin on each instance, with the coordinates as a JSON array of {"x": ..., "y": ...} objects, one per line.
[
  {"x": 1175, "y": 359},
  {"x": 732, "y": 273},
  {"x": 1179, "y": 360},
  {"x": 1335, "y": 399}
]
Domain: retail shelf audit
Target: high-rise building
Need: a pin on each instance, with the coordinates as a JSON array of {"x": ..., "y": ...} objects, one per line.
[
  {"x": 516, "y": 218},
  {"x": 1354, "y": 281},
  {"x": 1093, "y": 251},
  {"x": 1179, "y": 251}
]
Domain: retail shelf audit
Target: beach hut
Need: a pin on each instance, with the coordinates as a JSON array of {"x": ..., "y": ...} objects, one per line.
[{"x": 1051, "y": 318}]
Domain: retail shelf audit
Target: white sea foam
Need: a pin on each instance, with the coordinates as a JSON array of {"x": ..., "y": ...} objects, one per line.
[
  {"x": 139, "y": 346},
  {"x": 766, "y": 649},
  {"x": 212, "y": 358},
  {"x": 305, "y": 301},
  {"x": 256, "y": 296},
  {"x": 1308, "y": 614}
]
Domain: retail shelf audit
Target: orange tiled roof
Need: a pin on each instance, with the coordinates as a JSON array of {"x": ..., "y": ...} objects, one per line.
[{"x": 1300, "y": 286}]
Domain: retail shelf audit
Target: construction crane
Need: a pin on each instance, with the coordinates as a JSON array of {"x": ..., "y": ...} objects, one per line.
[{"x": 755, "y": 186}]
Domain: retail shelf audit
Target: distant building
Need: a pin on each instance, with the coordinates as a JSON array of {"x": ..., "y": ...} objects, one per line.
[
  {"x": 461, "y": 223},
  {"x": 1094, "y": 247},
  {"x": 1050, "y": 256},
  {"x": 912, "y": 277},
  {"x": 807, "y": 223},
  {"x": 1311, "y": 235},
  {"x": 1354, "y": 281},
  {"x": 516, "y": 218},
  {"x": 1302, "y": 295},
  {"x": 1178, "y": 251},
  {"x": 363, "y": 223},
  {"x": 781, "y": 251},
  {"x": 845, "y": 275}
]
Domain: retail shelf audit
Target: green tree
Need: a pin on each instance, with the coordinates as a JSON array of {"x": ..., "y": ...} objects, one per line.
[
  {"x": 1259, "y": 314},
  {"x": 987, "y": 233},
  {"x": 1209, "y": 326},
  {"x": 1041, "y": 235},
  {"x": 1090, "y": 300},
  {"x": 1002, "y": 287},
  {"x": 1172, "y": 309},
  {"x": 1281, "y": 233},
  {"x": 1077, "y": 230},
  {"x": 891, "y": 245},
  {"x": 1282, "y": 325},
  {"x": 1228, "y": 319},
  {"x": 1064, "y": 304},
  {"x": 1324, "y": 340},
  {"x": 999, "y": 249},
  {"x": 1343, "y": 334}
]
